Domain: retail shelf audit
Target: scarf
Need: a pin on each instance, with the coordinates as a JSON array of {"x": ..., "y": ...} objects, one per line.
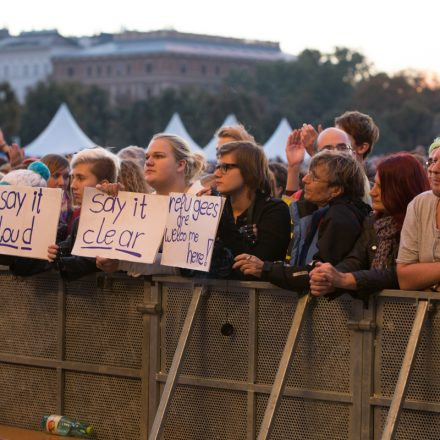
[{"x": 388, "y": 237}]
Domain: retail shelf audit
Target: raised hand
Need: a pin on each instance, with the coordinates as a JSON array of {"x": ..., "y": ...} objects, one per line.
[
  {"x": 295, "y": 149},
  {"x": 308, "y": 137},
  {"x": 15, "y": 154}
]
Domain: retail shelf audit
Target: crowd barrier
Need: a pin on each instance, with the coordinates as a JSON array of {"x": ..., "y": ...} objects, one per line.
[{"x": 166, "y": 358}]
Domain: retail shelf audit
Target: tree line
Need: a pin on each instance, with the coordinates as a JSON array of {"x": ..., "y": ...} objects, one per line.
[{"x": 314, "y": 88}]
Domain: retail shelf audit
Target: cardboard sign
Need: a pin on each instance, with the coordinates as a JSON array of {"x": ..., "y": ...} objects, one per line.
[
  {"x": 127, "y": 227},
  {"x": 190, "y": 230},
  {"x": 28, "y": 220}
]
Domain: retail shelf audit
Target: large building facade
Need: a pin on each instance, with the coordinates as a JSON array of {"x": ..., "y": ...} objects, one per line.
[
  {"x": 26, "y": 59},
  {"x": 137, "y": 65}
]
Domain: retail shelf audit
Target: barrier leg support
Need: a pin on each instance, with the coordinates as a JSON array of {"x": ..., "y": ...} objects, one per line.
[
  {"x": 405, "y": 372},
  {"x": 283, "y": 369},
  {"x": 179, "y": 357}
]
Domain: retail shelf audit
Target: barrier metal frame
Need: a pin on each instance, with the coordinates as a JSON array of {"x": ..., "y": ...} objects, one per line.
[
  {"x": 158, "y": 378},
  {"x": 423, "y": 304},
  {"x": 364, "y": 325}
]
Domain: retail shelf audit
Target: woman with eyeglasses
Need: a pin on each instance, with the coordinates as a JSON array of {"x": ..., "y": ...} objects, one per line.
[
  {"x": 335, "y": 183},
  {"x": 418, "y": 261},
  {"x": 258, "y": 223},
  {"x": 371, "y": 264}
]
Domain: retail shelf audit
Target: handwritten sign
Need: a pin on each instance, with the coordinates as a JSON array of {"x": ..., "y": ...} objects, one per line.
[
  {"x": 28, "y": 220},
  {"x": 127, "y": 227},
  {"x": 190, "y": 231}
]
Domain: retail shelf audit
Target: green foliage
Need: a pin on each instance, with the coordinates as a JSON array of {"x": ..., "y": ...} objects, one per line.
[
  {"x": 314, "y": 89},
  {"x": 9, "y": 111},
  {"x": 89, "y": 105},
  {"x": 404, "y": 106}
]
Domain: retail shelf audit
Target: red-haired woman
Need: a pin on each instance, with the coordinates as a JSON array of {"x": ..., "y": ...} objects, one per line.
[{"x": 371, "y": 265}]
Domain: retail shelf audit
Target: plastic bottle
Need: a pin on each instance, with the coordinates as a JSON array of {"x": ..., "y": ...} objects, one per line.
[{"x": 62, "y": 425}]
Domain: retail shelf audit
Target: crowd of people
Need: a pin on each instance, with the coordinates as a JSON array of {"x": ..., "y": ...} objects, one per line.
[{"x": 328, "y": 225}]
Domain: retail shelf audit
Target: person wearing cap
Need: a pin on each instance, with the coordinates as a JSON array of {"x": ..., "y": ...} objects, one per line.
[{"x": 418, "y": 260}]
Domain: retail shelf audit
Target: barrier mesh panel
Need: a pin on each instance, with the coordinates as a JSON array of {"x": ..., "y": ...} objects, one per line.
[
  {"x": 210, "y": 353},
  {"x": 111, "y": 404},
  {"x": 103, "y": 325},
  {"x": 413, "y": 425},
  {"x": 206, "y": 414},
  {"x": 27, "y": 393},
  {"x": 305, "y": 419},
  {"x": 322, "y": 360},
  {"x": 395, "y": 319},
  {"x": 275, "y": 312},
  {"x": 395, "y": 328},
  {"x": 28, "y": 316}
]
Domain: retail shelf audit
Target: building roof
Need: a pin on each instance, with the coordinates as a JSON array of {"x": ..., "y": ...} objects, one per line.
[
  {"x": 172, "y": 42},
  {"x": 61, "y": 136},
  {"x": 35, "y": 40}
]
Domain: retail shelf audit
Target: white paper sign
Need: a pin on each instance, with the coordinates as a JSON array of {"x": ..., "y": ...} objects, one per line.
[
  {"x": 28, "y": 220},
  {"x": 127, "y": 227},
  {"x": 190, "y": 231}
]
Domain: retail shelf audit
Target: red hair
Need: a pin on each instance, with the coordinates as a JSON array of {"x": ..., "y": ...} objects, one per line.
[{"x": 402, "y": 177}]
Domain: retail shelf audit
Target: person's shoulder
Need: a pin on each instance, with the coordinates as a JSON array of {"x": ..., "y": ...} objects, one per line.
[
  {"x": 275, "y": 203},
  {"x": 347, "y": 211},
  {"x": 425, "y": 196},
  {"x": 369, "y": 220},
  {"x": 424, "y": 199}
]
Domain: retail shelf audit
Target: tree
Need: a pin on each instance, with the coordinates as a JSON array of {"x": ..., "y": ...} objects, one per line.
[
  {"x": 9, "y": 110},
  {"x": 89, "y": 105}
]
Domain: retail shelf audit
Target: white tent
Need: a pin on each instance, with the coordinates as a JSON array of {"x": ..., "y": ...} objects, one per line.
[
  {"x": 175, "y": 126},
  {"x": 275, "y": 146},
  {"x": 210, "y": 150},
  {"x": 61, "y": 136}
]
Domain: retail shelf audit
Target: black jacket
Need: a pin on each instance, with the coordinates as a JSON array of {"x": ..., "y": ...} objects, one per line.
[
  {"x": 71, "y": 266},
  {"x": 272, "y": 219},
  {"x": 336, "y": 229},
  {"x": 359, "y": 261}
]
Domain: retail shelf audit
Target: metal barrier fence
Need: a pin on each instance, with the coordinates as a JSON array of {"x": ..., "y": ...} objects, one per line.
[{"x": 102, "y": 349}]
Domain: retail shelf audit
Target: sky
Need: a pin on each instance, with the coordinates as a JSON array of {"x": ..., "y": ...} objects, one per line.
[{"x": 393, "y": 35}]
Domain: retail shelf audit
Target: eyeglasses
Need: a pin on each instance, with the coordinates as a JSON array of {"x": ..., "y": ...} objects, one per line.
[
  {"x": 339, "y": 147},
  {"x": 225, "y": 167},
  {"x": 431, "y": 161},
  {"x": 315, "y": 178}
]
